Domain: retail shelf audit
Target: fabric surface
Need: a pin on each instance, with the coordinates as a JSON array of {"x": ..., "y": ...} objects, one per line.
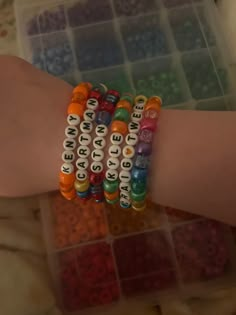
[{"x": 25, "y": 287}]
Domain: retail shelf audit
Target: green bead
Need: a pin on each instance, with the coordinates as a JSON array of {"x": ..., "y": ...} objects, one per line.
[
  {"x": 112, "y": 202},
  {"x": 128, "y": 98},
  {"x": 109, "y": 186},
  {"x": 138, "y": 186},
  {"x": 121, "y": 114},
  {"x": 138, "y": 196}
]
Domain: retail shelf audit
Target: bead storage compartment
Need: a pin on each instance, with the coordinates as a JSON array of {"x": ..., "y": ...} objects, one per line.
[
  {"x": 100, "y": 256},
  {"x": 111, "y": 38}
]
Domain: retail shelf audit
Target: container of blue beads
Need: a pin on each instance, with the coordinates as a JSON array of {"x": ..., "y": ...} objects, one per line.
[
  {"x": 131, "y": 45},
  {"x": 100, "y": 258}
]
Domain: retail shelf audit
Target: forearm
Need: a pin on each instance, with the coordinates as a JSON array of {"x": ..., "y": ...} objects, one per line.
[{"x": 194, "y": 165}]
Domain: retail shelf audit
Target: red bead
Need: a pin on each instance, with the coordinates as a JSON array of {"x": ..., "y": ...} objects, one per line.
[
  {"x": 107, "y": 106},
  {"x": 148, "y": 123},
  {"x": 96, "y": 94},
  {"x": 96, "y": 179}
]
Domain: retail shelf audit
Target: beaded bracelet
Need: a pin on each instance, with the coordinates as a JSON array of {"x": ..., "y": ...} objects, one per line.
[
  {"x": 119, "y": 128},
  {"x": 143, "y": 153},
  {"x": 103, "y": 120},
  {"x": 128, "y": 151},
  {"x": 74, "y": 116},
  {"x": 82, "y": 183}
]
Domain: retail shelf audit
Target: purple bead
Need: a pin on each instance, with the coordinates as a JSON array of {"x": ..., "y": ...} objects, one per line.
[
  {"x": 144, "y": 149},
  {"x": 146, "y": 136}
]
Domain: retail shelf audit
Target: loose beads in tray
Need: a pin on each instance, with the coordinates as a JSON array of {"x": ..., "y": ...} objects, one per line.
[
  {"x": 105, "y": 254},
  {"x": 131, "y": 45}
]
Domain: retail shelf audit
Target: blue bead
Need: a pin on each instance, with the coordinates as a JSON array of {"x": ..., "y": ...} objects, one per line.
[
  {"x": 96, "y": 189},
  {"x": 141, "y": 161},
  {"x": 84, "y": 194},
  {"x": 103, "y": 117},
  {"x": 139, "y": 173}
]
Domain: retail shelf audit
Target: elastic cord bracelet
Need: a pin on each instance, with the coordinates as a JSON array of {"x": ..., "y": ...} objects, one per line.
[
  {"x": 74, "y": 115},
  {"x": 143, "y": 153},
  {"x": 128, "y": 151},
  {"x": 119, "y": 129},
  {"x": 103, "y": 120}
]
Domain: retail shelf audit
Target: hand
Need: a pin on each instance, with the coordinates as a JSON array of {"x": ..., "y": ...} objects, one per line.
[{"x": 32, "y": 119}]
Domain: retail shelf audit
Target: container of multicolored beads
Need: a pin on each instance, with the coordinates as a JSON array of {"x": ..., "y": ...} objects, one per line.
[{"x": 101, "y": 256}]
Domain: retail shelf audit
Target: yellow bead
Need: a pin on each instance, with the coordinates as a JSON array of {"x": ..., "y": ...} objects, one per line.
[
  {"x": 139, "y": 205},
  {"x": 82, "y": 186},
  {"x": 119, "y": 126},
  {"x": 140, "y": 99}
]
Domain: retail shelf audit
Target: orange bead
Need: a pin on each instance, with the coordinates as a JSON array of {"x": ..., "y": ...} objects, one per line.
[
  {"x": 111, "y": 196},
  {"x": 125, "y": 104},
  {"x": 66, "y": 188},
  {"x": 66, "y": 179},
  {"x": 119, "y": 126},
  {"x": 70, "y": 195},
  {"x": 78, "y": 98},
  {"x": 83, "y": 88},
  {"x": 154, "y": 103},
  {"x": 76, "y": 108}
]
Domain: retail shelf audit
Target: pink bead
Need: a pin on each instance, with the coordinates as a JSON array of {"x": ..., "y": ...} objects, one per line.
[
  {"x": 151, "y": 113},
  {"x": 148, "y": 123},
  {"x": 146, "y": 136}
]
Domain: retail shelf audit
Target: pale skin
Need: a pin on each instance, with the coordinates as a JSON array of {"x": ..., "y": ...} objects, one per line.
[{"x": 194, "y": 160}]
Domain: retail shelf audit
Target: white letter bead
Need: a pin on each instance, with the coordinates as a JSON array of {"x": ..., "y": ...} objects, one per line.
[
  {"x": 81, "y": 175},
  {"x": 125, "y": 176},
  {"x": 131, "y": 139},
  {"x": 114, "y": 151},
  {"x": 86, "y": 126},
  {"x": 96, "y": 167},
  {"x": 67, "y": 168},
  {"x": 71, "y": 132},
  {"x": 99, "y": 143},
  {"x": 125, "y": 195},
  {"x": 68, "y": 156},
  {"x": 97, "y": 155},
  {"x": 111, "y": 175},
  {"x": 116, "y": 138},
  {"x": 92, "y": 103},
  {"x": 134, "y": 127},
  {"x": 139, "y": 107},
  {"x": 126, "y": 164},
  {"x": 128, "y": 151},
  {"x": 136, "y": 116},
  {"x": 89, "y": 115},
  {"x": 73, "y": 119},
  {"x": 83, "y": 151},
  {"x": 101, "y": 130},
  {"x": 113, "y": 163},
  {"x": 85, "y": 139},
  {"x": 125, "y": 187},
  {"x": 82, "y": 164},
  {"x": 69, "y": 144}
]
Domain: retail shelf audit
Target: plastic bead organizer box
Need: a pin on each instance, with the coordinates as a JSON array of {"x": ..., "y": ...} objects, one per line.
[{"x": 174, "y": 48}]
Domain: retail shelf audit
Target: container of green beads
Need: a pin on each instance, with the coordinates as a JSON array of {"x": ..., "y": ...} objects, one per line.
[{"x": 101, "y": 258}]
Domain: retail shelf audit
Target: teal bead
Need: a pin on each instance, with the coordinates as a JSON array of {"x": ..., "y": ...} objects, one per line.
[
  {"x": 121, "y": 114},
  {"x": 110, "y": 187},
  {"x": 128, "y": 98},
  {"x": 138, "y": 196},
  {"x": 138, "y": 186}
]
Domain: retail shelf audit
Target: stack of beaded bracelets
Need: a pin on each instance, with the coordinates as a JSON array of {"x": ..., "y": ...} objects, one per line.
[{"x": 100, "y": 124}]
